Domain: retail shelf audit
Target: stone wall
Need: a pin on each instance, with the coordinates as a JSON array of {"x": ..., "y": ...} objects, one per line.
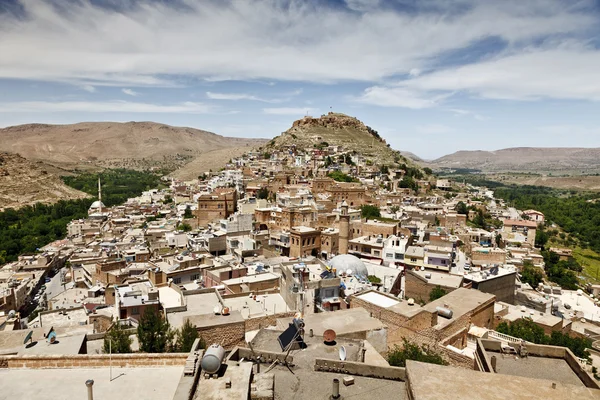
[
  {"x": 93, "y": 360},
  {"x": 419, "y": 288},
  {"x": 227, "y": 335},
  {"x": 253, "y": 324}
]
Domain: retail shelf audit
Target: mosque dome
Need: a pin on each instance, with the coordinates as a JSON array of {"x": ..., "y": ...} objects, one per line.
[
  {"x": 346, "y": 262},
  {"x": 97, "y": 205}
]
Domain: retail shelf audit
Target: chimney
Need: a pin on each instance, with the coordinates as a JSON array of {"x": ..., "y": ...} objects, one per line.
[
  {"x": 89, "y": 383},
  {"x": 493, "y": 360},
  {"x": 336, "y": 389}
]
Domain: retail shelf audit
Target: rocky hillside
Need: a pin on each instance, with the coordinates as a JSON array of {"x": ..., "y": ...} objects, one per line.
[
  {"x": 137, "y": 145},
  {"x": 23, "y": 183},
  {"x": 524, "y": 159},
  {"x": 336, "y": 129}
]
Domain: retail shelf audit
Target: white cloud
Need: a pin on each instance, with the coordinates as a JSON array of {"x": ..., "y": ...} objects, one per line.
[
  {"x": 301, "y": 41},
  {"x": 105, "y": 106},
  {"x": 399, "y": 97},
  {"x": 130, "y": 92},
  {"x": 463, "y": 113},
  {"x": 89, "y": 88},
  {"x": 434, "y": 129},
  {"x": 291, "y": 111},
  {"x": 557, "y": 73}
]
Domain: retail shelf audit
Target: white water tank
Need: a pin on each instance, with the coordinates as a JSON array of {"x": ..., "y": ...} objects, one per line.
[
  {"x": 213, "y": 357},
  {"x": 444, "y": 312}
]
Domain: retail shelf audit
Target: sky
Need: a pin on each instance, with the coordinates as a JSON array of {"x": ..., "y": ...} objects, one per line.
[{"x": 431, "y": 76}]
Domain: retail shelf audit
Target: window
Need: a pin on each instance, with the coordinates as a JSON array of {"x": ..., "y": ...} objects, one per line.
[
  {"x": 194, "y": 277},
  {"x": 376, "y": 253},
  {"x": 176, "y": 281},
  {"x": 399, "y": 256},
  {"x": 135, "y": 311},
  {"x": 389, "y": 255}
]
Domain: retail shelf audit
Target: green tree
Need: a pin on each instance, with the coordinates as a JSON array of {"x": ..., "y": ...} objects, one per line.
[
  {"x": 262, "y": 193},
  {"x": 436, "y": 293},
  {"x": 541, "y": 237},
  {"x": 461, "y": 208},
  {"x": 188, "y": 213},
  {"x": 185, "y": 227},
  {"x": 341, "y": 177},
  {"x": 369, "y": 211},
  {"x": 398, "y": 356},
  {"x": 186, "y": 337},
  {"x": 524, "y": 329},
  {"x": 154, "y": 333},
  {"x": 408, "y": 182},
  {"x": 531, "y": 274},
  {"x": 528, "y": 330},
  {"x": 373, "y": 279},
  {"x": 428, "y": 171},
  {"x": 117, "y": 340}
]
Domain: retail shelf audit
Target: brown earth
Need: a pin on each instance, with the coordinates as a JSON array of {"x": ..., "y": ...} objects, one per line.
[
  {"x": 526, "y": 159},
  {"x": 25, "y": 183},
  {"x": 138, "y": 145},
  {"x": 557, "y": 182},
  {"x": 340, "y": 130}
]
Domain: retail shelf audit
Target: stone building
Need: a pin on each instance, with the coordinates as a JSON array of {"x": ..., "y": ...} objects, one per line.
[
  {"x": 304, "y": 241},
  {"x": 216, "y": 206}
]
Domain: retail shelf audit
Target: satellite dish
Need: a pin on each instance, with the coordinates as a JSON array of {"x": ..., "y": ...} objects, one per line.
[
  {"x": 28, "y": 337},
  {"x": 51, "y": 337},
  {"x": 343, "y": 353},
  {"x": 329, "y": 336}
]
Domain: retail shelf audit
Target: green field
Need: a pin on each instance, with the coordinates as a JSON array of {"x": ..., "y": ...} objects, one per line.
[{"x": 590, "y": 260}]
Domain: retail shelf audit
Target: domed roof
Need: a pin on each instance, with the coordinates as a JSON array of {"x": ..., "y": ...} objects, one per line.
[
  {"x": 347, "y": 262},
  {"x": 97, "y": 204}
]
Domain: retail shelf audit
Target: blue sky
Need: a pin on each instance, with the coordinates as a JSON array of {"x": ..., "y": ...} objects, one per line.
[{"x": 432, "y": 76}]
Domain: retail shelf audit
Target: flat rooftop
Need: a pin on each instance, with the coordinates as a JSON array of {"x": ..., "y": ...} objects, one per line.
[
  {"x": 197, "y": 304},
  {"x": 378, "y": 299},
  {"x": 439, "y": 278},
  {"x": 342, "y": 322},
  {"x": 435, "y": 382},
  {"x": 307, "y": 384},
  {"x": 554, "y": 369},
  {"x": 460, "y": 301},
  {"x": 42, "y": 384}
]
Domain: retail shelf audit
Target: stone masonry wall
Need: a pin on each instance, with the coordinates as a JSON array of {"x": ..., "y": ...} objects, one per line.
[
  {"x": 93, "y": 360},
  {"x": 227, "y": 335}
]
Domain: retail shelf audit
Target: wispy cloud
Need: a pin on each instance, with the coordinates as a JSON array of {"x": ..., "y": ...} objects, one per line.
[
  {"x": 399, "y": 97},
  {"x": 89, "y": 88},
  {"x": 301, "y": 41},
  {"x": 434, "y": 129},
  {"x": 130, "y": 92},
  {"x": 464, "y": 113},
  {"x": 291, "y": 111},
  {"x": 105, "y": 106}
]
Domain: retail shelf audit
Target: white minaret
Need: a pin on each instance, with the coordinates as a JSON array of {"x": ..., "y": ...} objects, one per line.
[{"x": 100, "y": 194}]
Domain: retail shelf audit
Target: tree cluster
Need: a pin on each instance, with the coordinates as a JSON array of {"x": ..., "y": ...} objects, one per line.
[
  {"x": 528, "y": 330},
  {"x": 398, "y": 356},
  {"x": 369, "y": 211}
]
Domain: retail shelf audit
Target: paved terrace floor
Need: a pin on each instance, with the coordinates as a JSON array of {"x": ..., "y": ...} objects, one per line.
[
  {"x": 554, "y": 369},
  {"x": 69, "y": 384}
]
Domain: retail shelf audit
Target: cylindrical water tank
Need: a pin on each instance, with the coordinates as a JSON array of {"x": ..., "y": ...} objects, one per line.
[
  {"x": 213, "y": 357},
  {"x": 444, "y": 312}
]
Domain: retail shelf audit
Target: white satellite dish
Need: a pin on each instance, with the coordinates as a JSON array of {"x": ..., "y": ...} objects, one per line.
[{"x": 343, "y": 353}]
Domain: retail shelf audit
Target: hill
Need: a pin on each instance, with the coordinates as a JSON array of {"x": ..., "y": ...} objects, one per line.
[
  {"x": 25, "y": 183},
  {"x": 336, "y": 129},
  {"x": 134, "y": 145},
  {"x": 524, "y": 159}
]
